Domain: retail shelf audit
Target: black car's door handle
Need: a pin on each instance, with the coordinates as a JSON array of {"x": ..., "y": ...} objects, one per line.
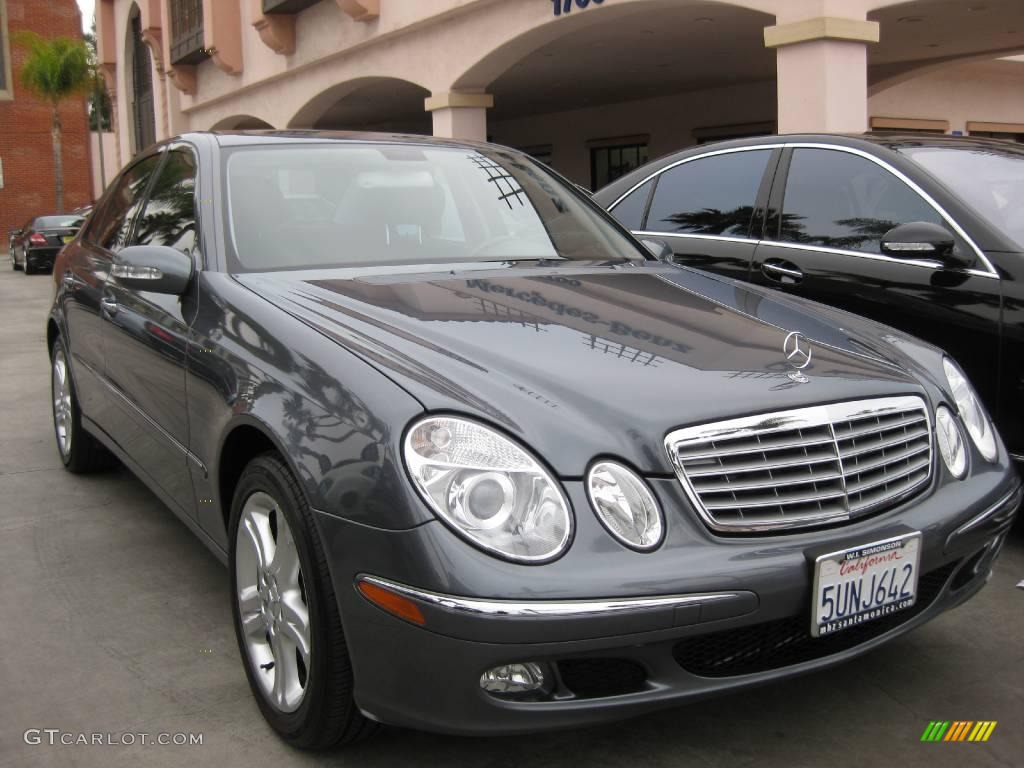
[
  {"x": 69, "y": 281},
  {"x": 108, "y": 304},
  {"x": 782, "y": 272}
]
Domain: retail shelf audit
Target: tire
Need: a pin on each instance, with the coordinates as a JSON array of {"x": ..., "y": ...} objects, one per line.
[
  {"x": 287, "y": 603},
  {"x": 80, "y": 452},
  {"x": 26, "y": 267},
  {"x": 14, "y": 262}
]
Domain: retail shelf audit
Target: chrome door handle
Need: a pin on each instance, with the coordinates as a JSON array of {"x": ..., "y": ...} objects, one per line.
[
  {"x": 779, "y": 272},
  {"x": 108, "y": 305},
  {"x": 69, "y": 281}
]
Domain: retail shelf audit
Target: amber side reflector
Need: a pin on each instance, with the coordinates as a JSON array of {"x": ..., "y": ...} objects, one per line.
[{"x": 393, "y": 603}]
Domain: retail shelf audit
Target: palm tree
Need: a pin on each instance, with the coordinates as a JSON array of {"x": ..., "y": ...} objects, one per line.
[{"x": 54, "y": 70}]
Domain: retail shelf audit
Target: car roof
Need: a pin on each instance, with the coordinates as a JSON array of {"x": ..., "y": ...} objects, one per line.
[
  {"x": 876, "y": 143},
  {"x": 238, "y": 138}
]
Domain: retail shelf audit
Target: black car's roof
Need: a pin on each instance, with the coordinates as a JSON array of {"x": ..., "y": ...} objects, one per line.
[{"x": 889, "y": 140}]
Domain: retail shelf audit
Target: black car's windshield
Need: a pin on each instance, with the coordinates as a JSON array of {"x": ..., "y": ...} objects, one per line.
[
  {"x": 990, "y": 179},
  {"x": 58, "y": 222},
  {"x": 346, "y": 205}
]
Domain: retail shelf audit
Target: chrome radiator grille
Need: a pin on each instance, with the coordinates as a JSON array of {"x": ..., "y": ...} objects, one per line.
[{"x": 811, "y": 466}]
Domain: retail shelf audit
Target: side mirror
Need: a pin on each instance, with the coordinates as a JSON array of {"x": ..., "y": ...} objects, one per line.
[
  {"x": 154, "y": 268},
  {"x": 15, "y": 232},
  {"x": 660, "y": 249},
  {"x": 923, "y": 240}
]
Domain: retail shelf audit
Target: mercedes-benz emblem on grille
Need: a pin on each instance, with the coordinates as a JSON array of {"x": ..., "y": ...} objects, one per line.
[{"x": 797, "y": 350}]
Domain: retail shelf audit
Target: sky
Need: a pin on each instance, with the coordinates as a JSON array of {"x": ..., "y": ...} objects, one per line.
[{"x": 88, "y": 7}]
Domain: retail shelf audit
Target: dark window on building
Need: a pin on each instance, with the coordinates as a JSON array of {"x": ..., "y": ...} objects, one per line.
[
  {"x": 170, "y": 215},
  {"x": 143, "y": 116},
  {"x": 187, "y": 32},
  {"x": 630, "y": 212},
  {"x": 1018, "y": 137},
  {"x": 609, "y": 163},
  {"x": 710, "y": 196},
  {"x": 5, "y": 86},
  {"x": 3, "y": 51},
  {"x": 839, "y": 200},
  {"x": 112, "y": 228}
]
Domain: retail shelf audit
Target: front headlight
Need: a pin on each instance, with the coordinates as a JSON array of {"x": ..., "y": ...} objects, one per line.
[
  {"x": 625, "y": 505},
  {"x": 488, "y": 489},
  {"x": 971, "y": 411}
]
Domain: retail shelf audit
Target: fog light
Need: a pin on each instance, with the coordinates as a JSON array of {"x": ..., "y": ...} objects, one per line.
[{"x": 513, "y": 678}]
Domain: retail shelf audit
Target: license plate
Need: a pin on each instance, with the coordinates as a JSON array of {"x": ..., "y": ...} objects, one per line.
[
  {"x": 67, "y": 238},
  {"x": 865, "y": 583}
]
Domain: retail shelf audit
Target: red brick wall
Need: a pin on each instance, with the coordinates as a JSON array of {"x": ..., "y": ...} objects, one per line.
[{"x": 26, "y": 146}]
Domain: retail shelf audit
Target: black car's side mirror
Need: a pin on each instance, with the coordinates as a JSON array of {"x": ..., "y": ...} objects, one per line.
[
  {"x": 155, "y": 268},
  {"x": 923, "y": 240},
  {"x": 16, "y": 232},
  {"x": 661, "y": 250}
]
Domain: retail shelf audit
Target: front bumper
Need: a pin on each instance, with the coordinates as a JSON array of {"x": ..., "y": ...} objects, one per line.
[{"x": 621, "y": 656}]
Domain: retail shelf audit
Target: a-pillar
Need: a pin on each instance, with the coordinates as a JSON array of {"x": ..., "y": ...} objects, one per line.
[
  {"x": 822, "y": 74},
  {"x": 460, "y": 115}
]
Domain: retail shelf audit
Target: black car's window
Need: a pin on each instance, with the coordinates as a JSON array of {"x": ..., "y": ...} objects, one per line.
[
  {"x": 630, "y": 212},
  {"x": 170, "y": 214},
  {"x": 710, "y": 196},
  {"x": 58, "y": 222},
  {"x": 338, "y": 205},
  {"x": 113, "y": 228},
  {"x": 840, "y": 200},
  {"x": 989, "y": 178}
]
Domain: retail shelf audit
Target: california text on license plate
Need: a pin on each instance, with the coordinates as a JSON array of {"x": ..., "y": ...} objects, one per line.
[{"x": 864, "y": 583}]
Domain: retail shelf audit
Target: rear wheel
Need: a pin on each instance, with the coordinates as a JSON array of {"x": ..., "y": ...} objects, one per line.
[
  {"x": 286, "y": 615},
  {"x": 26, "y": 265},
  {"x": 14, "y": 261},
  {"x": 79, "y": 450}
]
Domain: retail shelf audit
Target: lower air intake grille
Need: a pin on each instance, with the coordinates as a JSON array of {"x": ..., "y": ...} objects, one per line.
[
  {"x": 810, "y": 466},
  {"x": 783, "y": 643}
]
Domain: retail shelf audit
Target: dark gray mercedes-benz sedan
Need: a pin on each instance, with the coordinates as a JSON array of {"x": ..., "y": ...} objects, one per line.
[{"x": 478, "y": 463}]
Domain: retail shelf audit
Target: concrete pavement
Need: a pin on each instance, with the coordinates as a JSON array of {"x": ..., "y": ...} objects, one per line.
[{"x": 113, "y": 618}]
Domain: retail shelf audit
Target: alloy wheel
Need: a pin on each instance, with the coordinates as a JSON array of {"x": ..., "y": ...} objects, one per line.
[
  {"x": 272, "y": 603},
  {"x": 62, "y": 406}
]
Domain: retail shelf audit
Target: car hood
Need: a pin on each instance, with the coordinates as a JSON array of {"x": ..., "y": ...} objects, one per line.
[{"x": 585, "y": 360}]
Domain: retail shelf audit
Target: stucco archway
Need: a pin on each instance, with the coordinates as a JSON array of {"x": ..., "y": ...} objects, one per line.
[
  {"x": 241, "y": 123},
  {"x": 367, "y": 104}
]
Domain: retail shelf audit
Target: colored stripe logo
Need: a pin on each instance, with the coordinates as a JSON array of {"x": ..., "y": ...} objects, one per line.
[{"x": 958, "y": 730}]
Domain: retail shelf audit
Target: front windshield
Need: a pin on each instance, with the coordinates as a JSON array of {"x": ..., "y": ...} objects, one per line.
[
  {"x": 356, "y": 205},
  {"x": 989, "y": 179}
]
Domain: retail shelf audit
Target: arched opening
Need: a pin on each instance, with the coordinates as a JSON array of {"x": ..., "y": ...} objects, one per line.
[
  {"x": 140, "y": 84},
  {"x": 598, "y": 91},
  {"x": 241, "y": 123},
  {"x": 383, "y": 104}
]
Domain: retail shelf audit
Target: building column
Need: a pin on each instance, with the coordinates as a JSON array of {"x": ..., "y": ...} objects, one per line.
[
  {"x": 822, "y": 74},
  {"x": 460, "y": 115}
]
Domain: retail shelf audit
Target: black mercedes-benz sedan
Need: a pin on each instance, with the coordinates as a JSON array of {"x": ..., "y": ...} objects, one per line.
[
  {"x": 921, "y": 232},
  {"x": 478, "y": 463},
  {"x": 40, "y": 239}
]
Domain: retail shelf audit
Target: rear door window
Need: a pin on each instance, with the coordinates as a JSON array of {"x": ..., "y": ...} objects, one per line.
[{"x": 709, "y": 196}]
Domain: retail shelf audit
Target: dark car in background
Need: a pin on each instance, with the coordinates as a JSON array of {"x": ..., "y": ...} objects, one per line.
[
  {"x": 923, "y": 233},
  {"x": 34, "y": 246},
  {"x": 478, "y": 463}
]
